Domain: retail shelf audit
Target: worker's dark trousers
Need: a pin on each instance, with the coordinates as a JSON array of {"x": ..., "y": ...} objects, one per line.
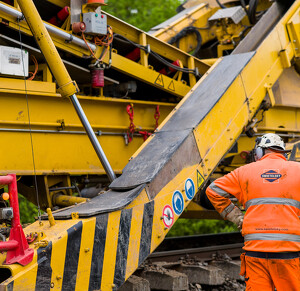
[{"x": 268, "y": 274}]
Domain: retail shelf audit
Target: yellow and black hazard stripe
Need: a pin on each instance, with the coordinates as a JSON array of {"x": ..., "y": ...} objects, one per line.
[{"x": 99, "y": 253}]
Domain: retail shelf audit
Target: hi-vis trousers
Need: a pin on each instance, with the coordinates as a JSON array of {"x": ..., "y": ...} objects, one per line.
[{"x": 268, "y": 273}]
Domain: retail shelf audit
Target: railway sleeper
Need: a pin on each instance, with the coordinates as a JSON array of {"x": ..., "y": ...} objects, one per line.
[{"x": 189, "y": 274}]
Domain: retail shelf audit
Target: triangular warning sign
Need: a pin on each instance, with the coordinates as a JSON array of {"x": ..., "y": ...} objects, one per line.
[
  {"x": 159, "y": 80},
  {"x": 200, "y": 179},
  {"x": 172, "y": 86}
]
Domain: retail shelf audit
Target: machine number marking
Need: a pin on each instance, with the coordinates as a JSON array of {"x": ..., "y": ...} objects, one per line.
[
  {"x": 159, "y": 81},
  {"x": 177, "y": 202},
  {"x": 168, "y": 216},
  {"x": 200, "y": 179},
  {"x": 189, "y": 189}
]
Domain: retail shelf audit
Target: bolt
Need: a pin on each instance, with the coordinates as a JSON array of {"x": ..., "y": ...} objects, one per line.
[
  {"x": 165, "y": 228},
  {"x": 52, "y": 285},
  {"x": 87, "y": 250},
  {"x": 58, "y": 277},
  {"x": 294, "y": 40},
  {"x": 228, "y": 129},
  {"x": 159, "y": 236}
]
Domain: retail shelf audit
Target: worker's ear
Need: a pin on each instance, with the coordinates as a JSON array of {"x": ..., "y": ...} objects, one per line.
[{"x": 258, "y": 153}]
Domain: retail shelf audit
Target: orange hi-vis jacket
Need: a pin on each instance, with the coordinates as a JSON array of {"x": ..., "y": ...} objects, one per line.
[{"x": 269, "y": 190}]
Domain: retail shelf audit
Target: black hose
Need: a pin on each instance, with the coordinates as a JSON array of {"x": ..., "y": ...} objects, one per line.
[
  {"x": 245, "y": 8},
  {"x": 220, "y": 4},
  {"x": 184, "y": 32},
  {"x": 252, "y": 11},
  {"x": 157, "y": 56}
]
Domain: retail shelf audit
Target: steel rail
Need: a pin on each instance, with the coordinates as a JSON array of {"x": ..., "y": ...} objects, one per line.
[{"x": 204, "y": 253}]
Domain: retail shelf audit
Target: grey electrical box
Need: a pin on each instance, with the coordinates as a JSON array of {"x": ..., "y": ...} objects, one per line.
[
  {"x": 96, "y": 23},
  {"x": 13, "y": 61}
]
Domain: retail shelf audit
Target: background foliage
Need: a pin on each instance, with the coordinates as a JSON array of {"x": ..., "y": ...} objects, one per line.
[
  {"x": 184, "y": 227},
  {"x": 27, "y": 210},
  {"x": 142, "y": 14}
]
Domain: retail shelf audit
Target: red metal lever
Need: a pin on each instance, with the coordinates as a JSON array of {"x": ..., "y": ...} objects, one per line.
[{"x": 17, "y": 247}]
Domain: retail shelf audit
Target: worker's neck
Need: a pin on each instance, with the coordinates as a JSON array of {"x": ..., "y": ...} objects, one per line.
[{"x": 270, "y": 151}]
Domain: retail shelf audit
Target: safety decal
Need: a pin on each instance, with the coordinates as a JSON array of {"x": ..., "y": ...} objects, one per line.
[
  {"x": 168, "y": 216},
  {"x": 200, "y": 180},
  {"x": 159, "y": 81},
  {"x": 171, "y": 86},
  {"x": 271, "y": 176},
  {"x": 177, "y": 202},
  {"x": 189, "y": 189}
]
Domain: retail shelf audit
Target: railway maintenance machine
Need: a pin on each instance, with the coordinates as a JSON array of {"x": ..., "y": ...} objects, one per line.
[{"x": 114, "y": 132}]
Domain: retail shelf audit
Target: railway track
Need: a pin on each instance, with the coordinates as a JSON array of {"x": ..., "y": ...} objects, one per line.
[
  {"x": 202, "y": 247},
  {"x": 201, "y": 262}
]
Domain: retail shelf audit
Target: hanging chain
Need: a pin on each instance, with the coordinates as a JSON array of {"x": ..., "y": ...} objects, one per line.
[
  {"x": 130, "y": 112},
  {"x": 156, "y": 116}
]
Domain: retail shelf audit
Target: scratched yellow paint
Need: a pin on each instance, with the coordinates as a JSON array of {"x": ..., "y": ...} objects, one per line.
[
  {"x": 58, "y": 261},
  {"x": 85, "y": 255},
  {"x": 135, "y": 238},
  {"x": 109, "y": 261},
  {"x": 141, "y": 199},
  {"x": 26, "y": 280}
]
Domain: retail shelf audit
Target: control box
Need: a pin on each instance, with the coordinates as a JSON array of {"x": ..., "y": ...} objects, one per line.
[
  {"x": 13, "y": 61},
  {"x": 96, "y": 23}
]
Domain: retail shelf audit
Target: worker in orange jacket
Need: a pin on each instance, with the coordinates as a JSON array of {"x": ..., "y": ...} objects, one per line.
[{"x": 269, "y": 190}]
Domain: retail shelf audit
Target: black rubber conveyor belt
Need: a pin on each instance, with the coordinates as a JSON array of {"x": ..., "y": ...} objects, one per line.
[{"x": 154, "y": 156}]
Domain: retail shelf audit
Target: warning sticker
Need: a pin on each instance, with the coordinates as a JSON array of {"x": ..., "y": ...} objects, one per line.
[
  {"x": 189, "y": 189},
  {"x": 159, "y": 80},
  {"x": 171, "y": 86},
  {"x": 168, "y": 216},
  {"x": 177, "y": 202},
  {"x": 200, "y": 179}
]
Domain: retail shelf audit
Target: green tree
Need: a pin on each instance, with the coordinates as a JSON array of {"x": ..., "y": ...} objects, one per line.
[
  {"x": 142, "y": 14},
  {"x": 27, "y": 210},
  {"x": 200, "y": 226}
]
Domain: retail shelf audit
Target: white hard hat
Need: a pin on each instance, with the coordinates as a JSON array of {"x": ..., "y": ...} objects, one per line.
[{"x": 270, "y": 140}]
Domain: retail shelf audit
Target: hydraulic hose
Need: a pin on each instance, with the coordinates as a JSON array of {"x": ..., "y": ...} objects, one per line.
[{"x": 184, "y": 32}]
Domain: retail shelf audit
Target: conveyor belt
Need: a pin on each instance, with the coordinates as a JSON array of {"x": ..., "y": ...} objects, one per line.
[
  {"x": 168, "y": 145},
  {"x": 157, "y": 153}
]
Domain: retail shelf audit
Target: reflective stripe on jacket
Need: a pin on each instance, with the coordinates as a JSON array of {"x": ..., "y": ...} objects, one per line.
[{"x": 270, "y": 192}]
